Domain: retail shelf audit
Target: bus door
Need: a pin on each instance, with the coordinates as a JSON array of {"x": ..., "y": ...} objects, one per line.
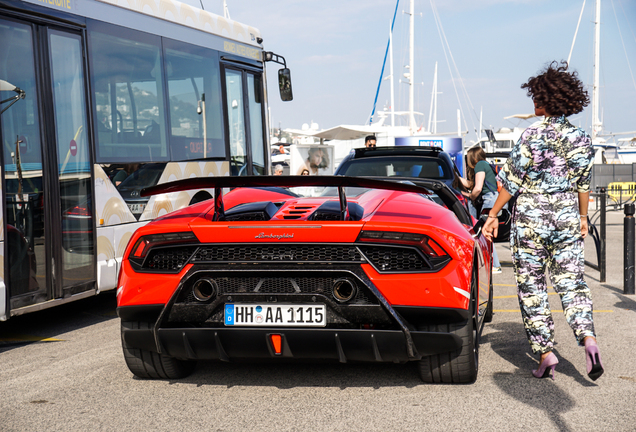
[
  {"x": 243, "y": 91},
  {"x": 47, "y": 184},
  {"x": 71, "y": 176}
]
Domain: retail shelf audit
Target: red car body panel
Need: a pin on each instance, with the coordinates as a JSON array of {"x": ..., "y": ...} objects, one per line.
[
  {"x": 147, "y": 290},
  {"x": 400, "y": 289}
]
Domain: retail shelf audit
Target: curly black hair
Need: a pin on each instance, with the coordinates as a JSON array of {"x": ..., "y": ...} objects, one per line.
[{"x": 558, "y": 91}]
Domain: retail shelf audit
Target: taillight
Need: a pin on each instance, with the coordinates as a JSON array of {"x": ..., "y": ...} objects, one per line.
[
  {"x": 145, "y": 243},
  {"x": 430, "y": 248},
  {"x": 390, "y": 235}
]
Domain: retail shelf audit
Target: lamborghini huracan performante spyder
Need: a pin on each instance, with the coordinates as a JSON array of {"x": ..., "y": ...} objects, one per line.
[{"x": 361, "y": 270}]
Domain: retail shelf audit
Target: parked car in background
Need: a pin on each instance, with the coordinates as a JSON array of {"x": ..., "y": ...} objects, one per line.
[{"x": 403, "y": 162}]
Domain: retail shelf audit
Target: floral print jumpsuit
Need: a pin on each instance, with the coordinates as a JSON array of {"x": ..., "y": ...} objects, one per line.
[{"x": 548, "y": 165}]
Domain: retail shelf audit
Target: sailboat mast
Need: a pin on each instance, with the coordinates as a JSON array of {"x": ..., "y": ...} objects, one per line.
[
  {"x": 432, "y": 114},
  {"x": 391, "y": 68},
  {"x": 596, "y": 123},
  {"x": 411, "y": 67}
]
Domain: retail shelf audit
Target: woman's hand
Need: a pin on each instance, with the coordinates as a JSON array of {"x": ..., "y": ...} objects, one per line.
[
  {"x": 584, "y": 227},
  {"x": 491, "y": 228}
]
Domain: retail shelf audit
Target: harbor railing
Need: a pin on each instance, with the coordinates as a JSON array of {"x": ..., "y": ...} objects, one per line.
[{"x": 597, "y": 228}]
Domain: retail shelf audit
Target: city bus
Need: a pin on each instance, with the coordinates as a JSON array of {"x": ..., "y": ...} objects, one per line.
[{"x": 101, "y": 98}]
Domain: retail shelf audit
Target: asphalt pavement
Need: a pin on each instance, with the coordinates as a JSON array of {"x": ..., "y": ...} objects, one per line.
[{"x": 63, "y": 370}]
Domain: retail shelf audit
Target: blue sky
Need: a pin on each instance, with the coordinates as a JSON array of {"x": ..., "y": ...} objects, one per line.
[{"x": 335, "y": 51}]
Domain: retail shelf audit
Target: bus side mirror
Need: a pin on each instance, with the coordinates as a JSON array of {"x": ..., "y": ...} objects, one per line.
[{"x": 285, "y": 85}]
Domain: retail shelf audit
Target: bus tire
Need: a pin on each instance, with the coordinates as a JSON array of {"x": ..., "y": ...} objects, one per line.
[{"x": 147, "y": 364}]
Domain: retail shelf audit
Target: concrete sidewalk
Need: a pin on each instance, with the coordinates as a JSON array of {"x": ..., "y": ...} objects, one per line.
[{"x": 607, "y": 404}]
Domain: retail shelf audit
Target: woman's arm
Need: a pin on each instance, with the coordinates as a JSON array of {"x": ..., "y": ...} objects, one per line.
[
  {"x": 480, "y": 178},
  {"x": 584, "y": 200},
  {"x": 491, "y": 227}
]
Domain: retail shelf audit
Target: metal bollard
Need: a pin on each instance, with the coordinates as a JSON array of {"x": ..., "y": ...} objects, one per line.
[
  {"x": 629, "y": 238},
  {"x": 603, "y": 243}
]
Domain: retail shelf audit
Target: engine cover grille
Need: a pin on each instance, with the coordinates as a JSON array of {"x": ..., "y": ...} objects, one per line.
[{"x": 286, "y": 253}]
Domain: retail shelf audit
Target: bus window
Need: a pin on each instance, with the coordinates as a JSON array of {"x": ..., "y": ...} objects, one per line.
[
  {"x": 192, "y": 72},
  {"x": 236, "y": 121},
  {"x": 256, "y": 123},
  {"x": 74, "y": 168},
  {"x": 128, "y": 94}
]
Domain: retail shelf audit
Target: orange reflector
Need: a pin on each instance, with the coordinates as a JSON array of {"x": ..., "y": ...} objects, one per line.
[{"x": 277, "y": 342}]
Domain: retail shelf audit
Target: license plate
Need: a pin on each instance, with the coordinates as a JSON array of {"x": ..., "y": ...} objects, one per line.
[
  {"x": 275, "y": 315},
  {"x": 136, "y": 208}
]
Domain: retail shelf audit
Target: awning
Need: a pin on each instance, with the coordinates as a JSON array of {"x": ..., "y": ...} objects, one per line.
[{"x": 342, "y": 132}]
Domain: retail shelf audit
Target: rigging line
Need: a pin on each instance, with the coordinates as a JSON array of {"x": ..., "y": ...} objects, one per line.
[
  {"x": 386, "y": 53},
  {"x": 623, "y": 42},
  {"x": 628, "y": 24},
  {"x": 446, "y": 56},
  {"x": 440, "y": 30},
  {"x": 575, "y": 33},
  {"x": 464, "y": 90}
]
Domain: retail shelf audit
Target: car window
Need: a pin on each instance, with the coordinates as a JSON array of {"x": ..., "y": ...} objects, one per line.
[{"x": 405, "y": 166}]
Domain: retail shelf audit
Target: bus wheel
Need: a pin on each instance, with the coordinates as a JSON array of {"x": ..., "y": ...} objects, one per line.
[{"x": 148, "y": 364}]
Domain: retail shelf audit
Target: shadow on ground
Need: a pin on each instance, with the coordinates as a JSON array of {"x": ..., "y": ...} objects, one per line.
[
  {"x": 311, "y": 374},
  {"x": 541, "y": 394},
  {"x": 37, "y": 326},
  {"x": 626, "y": 302}
]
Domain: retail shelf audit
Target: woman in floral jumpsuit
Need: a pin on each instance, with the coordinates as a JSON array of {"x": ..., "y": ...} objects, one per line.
[{"x": 549, "y": 171}]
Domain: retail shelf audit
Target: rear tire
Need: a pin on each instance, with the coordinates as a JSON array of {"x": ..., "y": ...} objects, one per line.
[
  {"x": 458, "y": 367},
  {"x": 147, "y": 364}
]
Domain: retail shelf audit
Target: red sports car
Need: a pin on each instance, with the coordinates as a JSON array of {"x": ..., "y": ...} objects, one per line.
[{"x": 368, "y": 270}]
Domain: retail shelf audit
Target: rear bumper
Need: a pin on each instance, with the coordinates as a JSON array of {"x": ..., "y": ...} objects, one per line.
[
  {"x": 180, "y": 331},
  {"x": 344, "y": 345}
]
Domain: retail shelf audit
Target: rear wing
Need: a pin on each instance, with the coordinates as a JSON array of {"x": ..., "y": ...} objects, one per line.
[{"x": 420, "y": 186}]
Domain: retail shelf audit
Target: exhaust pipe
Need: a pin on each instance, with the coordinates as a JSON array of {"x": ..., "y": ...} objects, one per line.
[
  {"x": 344, "y": 290},
  {"x": 204, "y": 289}
]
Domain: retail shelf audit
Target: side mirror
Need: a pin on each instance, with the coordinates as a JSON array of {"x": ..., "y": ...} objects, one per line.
[{"x": 285, "y": 85}]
